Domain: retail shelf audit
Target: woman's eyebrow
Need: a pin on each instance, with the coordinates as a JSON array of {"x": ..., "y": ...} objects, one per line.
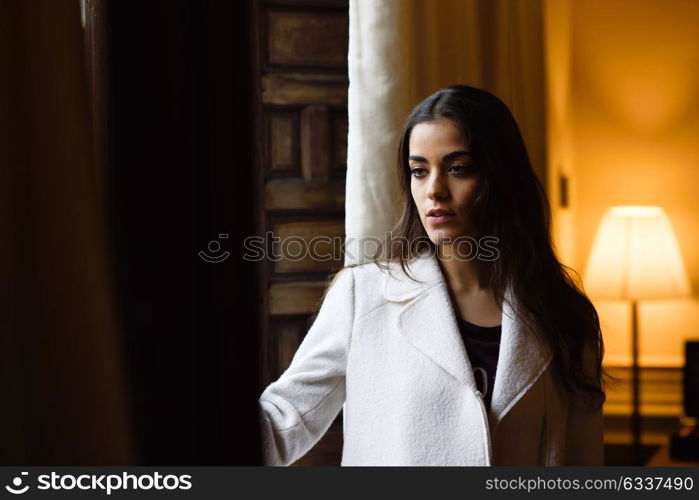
[
  {"x": 417, "y": 158},
  {"x": 455, "y": 154},
  {"x": 447, "y": 157}
]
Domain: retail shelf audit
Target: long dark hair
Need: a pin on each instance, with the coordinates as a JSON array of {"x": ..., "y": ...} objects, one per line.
[{"x": 512, "y": 206}]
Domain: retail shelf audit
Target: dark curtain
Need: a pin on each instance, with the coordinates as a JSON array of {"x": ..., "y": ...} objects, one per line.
[
  {"x": 179, "y": 173},
  {"x": 124, "y": 346},
  {"x": 63, "y": 389}
]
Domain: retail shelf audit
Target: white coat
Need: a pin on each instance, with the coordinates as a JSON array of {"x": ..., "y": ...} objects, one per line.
[{"x": 388, "y": 352}]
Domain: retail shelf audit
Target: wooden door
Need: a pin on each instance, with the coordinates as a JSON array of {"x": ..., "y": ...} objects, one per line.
[{"x": 301, "y": 77}]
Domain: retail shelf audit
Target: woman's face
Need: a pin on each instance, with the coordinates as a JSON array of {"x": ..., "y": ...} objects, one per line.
[{"x": 444, "y": 181}]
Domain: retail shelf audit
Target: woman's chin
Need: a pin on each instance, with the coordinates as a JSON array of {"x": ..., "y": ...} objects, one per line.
[{"x": 442, "y": 237}]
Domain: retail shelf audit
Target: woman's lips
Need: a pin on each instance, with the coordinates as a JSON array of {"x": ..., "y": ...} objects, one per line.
[{"x": 440, "y": 219}]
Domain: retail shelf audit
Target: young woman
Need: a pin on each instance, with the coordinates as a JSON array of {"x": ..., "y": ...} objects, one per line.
[{"x": 469, "y": 344}]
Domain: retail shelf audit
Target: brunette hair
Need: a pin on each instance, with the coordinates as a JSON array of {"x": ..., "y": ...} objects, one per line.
[{"x": 512, "y": 206}]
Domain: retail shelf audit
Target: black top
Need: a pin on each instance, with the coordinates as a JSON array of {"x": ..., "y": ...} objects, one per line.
[{"x": 482, "y": 345}]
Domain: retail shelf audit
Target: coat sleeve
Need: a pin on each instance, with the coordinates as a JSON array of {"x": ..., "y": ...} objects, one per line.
[
  {"x": 585, "y": 426},
  {"x": 298, "y": 408}
]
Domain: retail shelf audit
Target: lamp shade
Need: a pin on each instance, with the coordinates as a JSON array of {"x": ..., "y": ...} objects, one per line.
[{"x": 635, "y": 256}]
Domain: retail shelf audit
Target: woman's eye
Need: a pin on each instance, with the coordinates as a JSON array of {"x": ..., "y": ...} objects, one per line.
[
  {"x": 418, "y": 171},
  {"x": 459, "y": 169}
]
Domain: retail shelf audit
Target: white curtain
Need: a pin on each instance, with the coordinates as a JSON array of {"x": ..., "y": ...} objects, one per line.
[{"x": 400, "y": 51}]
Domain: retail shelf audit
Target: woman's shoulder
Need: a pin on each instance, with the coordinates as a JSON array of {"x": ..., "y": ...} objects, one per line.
[
  {"x": 371, "y": 285},
  {"x": 367, "y": 281},
  {"x": 366, "y": 274}
]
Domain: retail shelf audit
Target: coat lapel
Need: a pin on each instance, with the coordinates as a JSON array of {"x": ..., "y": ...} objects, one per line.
[
  {"x": 427, "y": 321},
  {"x": 522, "y": 359},
  {"x": 429, "y": 324}
]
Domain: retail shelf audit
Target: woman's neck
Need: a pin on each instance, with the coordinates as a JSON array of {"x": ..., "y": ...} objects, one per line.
[
  {"x": 472, "y": 300},
  {"x": 462, "y": 275}
]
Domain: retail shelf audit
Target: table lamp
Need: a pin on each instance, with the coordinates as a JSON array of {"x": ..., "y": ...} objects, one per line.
[{"x": 635, "y": 256}]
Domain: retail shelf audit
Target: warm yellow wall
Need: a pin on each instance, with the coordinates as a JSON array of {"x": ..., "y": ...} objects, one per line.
[
  {"x": 629, "y": 135},
  {"x": 557, "y": 54}
]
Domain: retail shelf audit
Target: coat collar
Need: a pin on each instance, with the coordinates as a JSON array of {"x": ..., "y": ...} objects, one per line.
[{"x": 427, "y": 321}]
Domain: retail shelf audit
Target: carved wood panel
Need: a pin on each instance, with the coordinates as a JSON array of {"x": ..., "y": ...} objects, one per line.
[
  {"x": 301, "y": 54},
  {"x": 300, "y": 39}
]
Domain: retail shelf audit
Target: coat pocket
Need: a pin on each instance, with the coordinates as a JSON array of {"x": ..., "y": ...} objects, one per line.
[{"x": 543, "y": 451}]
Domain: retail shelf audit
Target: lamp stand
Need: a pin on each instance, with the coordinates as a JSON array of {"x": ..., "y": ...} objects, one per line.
[{"x": 635, "y": 387}]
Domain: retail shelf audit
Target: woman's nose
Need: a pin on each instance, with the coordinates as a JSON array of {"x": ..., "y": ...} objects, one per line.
[{"x": 436, "y": 188}]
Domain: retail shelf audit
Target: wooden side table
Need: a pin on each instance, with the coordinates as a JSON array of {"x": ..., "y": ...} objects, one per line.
[{"x": 662, "y": 459}]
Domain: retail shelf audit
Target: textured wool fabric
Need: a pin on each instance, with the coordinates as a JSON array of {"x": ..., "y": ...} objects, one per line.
[{"x": 388, "y": 351}]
